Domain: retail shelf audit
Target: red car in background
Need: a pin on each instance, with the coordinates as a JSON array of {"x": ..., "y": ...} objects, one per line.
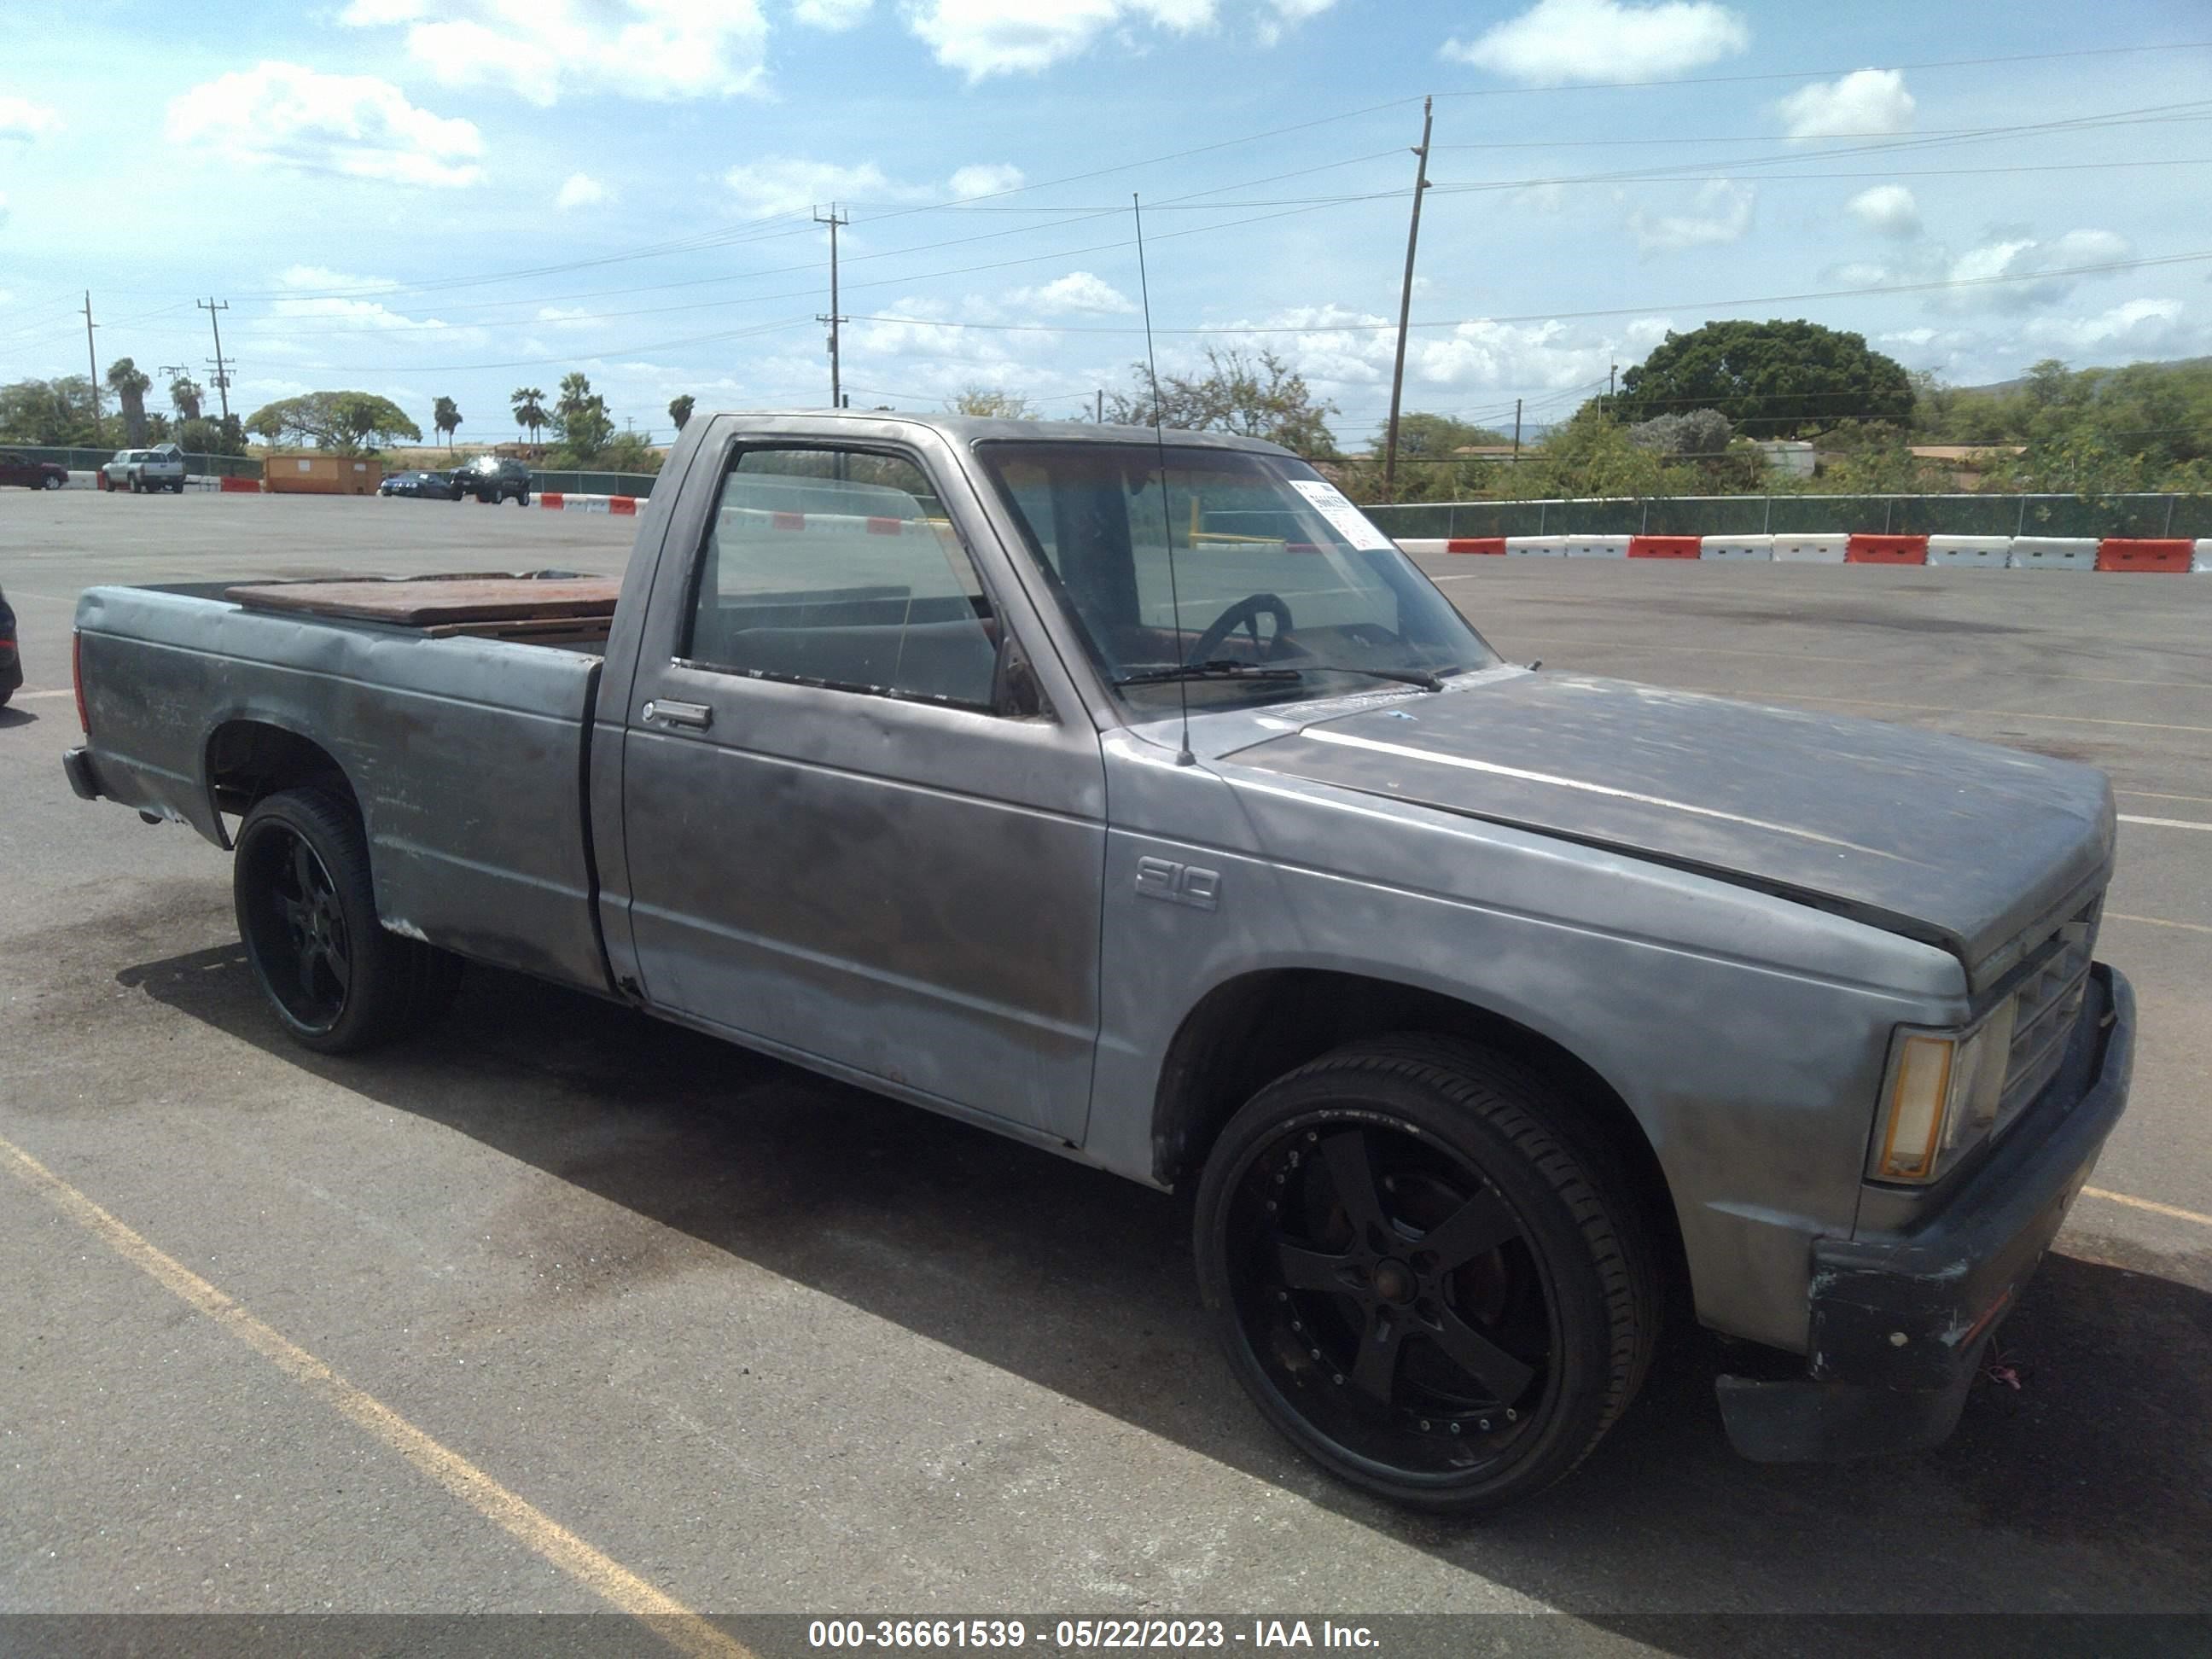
[{"x": 20, "y": 469}]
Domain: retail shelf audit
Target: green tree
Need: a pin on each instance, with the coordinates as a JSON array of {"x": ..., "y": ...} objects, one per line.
[
  {"x": 185, "y": 395},
  {"x": 446, "y": 420},
  {"x": 990, "y": 404},
  {"x": 1590, "y": 455},
  {"x": 679, "y": 411},
  {"x": 345, "y": 422},
  {"x": 1255, "y": 396},
  {"x": 206, "y": 437},
  {"x": 57, "y": 411},
  {"x": 1423, "y": 437},
  {"x": 630, "y": 451},
  {"x": 528, "y": 402},
  {"x": 581, "y": 421},
  {"x": 131, "y": 384},
  {"x": 1774, "y": 380}
]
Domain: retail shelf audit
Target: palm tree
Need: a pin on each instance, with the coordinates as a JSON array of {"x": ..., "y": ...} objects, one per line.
[
  {"x": 679, "y": 411},
  {"x": 131, "y": 384},
  {"x": 445, "y": 419},
  {"x": 529, "y": 404},
  {"x": 185, "y": 395}
]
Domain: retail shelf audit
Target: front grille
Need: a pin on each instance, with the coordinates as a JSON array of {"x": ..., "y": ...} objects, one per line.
[{"x": 2046, "y": 1006}]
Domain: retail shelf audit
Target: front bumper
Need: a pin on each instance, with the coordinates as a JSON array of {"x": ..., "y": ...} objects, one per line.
[{"x": 1897, "y": 1326}]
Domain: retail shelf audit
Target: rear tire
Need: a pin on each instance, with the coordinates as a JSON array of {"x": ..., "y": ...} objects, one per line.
[
  {"x": 1418, "y": 1282},
  {"x": 336, "y": 981},
  {"x": 52, "y": 483}
]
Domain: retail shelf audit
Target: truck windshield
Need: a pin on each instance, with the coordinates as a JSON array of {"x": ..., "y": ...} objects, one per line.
[{"x": 1280, "y": 588}]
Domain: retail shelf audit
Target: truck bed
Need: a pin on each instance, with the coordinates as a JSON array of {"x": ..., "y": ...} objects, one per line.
[
  {"x": 466, "y": 752},
  {"x": 547, "y": 609}
]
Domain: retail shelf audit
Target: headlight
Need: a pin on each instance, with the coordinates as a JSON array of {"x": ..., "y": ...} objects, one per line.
[{"x": 1939, "y": 1096}]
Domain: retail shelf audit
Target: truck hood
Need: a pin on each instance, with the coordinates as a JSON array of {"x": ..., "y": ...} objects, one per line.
[{"x": 1962, "y": 844}]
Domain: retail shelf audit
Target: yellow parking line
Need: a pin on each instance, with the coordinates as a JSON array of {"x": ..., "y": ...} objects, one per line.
[
  {"x": 2157, "y": 921},
  {"x": 2152, "y": 1205},
  {"x": 669, "y": 1619}
]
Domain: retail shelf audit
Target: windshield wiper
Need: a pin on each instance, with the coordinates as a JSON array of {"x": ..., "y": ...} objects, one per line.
[
  {"x": 1420, "y": 676},
  {"x": 1217, "y": 669}
]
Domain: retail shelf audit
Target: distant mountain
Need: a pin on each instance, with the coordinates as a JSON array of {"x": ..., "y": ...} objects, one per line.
[{"x": 2014, "y": 384}]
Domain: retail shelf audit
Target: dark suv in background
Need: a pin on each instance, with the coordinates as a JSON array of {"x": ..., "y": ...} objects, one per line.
[{"x": 490, "y": 478}]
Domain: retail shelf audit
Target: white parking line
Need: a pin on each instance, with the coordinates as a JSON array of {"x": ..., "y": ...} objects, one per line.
[
  {"x": 2158, "y": 921},
  {"x": 2165, "y": 823},
  {"x": 24, "y": 696}
]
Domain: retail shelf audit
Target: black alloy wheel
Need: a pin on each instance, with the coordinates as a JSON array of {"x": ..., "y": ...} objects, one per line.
[
  {"x": 336, "y": 979},
  {"x": 1417, "y": 1282},
  {"x": 300, "y": 940}
]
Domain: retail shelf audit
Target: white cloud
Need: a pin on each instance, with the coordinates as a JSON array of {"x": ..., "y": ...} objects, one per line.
[
  {"x": 835, "y": 16},
  {"x": 987, "y": 180},
  {"x": 1887, "y": 210},
  {"x": 3, "y": 207},
  {"x": 1077, "y": 291},
  {"x": 323, "y": 303},
  {"x": 1720, "y": 213},
  {"x": 1865, "y": 103},
  {"x": 1279, "y": 17},
  {"x": 782, "y": 183},
  {"x": 659, "y": 49},
  {"x": 2134, "y": 328},
  {"x": 2024, "y": 257},
  {"x": 284, "y": 115},
  {"x": 22, "y": 119},
  {"x": 786, "y": 184},
  {"x": 984, "y": 37},
  {"x": 580, "y": 189},
  {"x": 1606, "y": 40}
]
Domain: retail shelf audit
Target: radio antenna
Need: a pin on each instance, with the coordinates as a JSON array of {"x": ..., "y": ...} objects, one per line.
[{"x": 1184, "y": 756}]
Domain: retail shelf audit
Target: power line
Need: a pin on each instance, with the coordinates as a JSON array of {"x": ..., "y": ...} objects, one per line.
[{"x": 2045, "y": 274}]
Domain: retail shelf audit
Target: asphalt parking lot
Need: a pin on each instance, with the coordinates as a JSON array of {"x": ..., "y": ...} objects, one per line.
[{"x": 772, "y": 1344}]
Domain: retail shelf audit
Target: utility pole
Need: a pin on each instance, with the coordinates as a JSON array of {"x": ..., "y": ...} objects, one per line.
[
  {"x": 1516, "y": 429},
  {"x": 221, "y": 366},
  {"x": 1406, "y": 306},
  {"x": 1611, "y": 375},
  {"x": 836, "y": 383},
  {"x": 92, "y": 362},
  {"x": 1101, "y": 410}
]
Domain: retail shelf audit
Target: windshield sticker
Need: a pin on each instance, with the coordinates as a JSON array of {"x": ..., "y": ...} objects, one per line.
[{"x": 1347, "y": 520}]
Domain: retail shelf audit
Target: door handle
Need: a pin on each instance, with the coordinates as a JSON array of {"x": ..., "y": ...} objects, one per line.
[{"x": 696, "y": 715}]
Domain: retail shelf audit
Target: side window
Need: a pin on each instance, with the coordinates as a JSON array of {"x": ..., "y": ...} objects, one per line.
[{"x": 837, "y": 568}]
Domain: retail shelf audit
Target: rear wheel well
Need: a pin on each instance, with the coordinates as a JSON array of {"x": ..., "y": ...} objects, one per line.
[
  {"x": 247, "y": 760},
  {"x": 1245, "y": 1034}
]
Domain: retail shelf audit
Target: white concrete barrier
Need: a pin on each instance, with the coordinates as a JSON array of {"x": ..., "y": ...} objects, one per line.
[
  {"x": 2201, "y": 560},
  {"x": 1535, "y": 547},
  {"x": 1597, "y": 547},
  {"x": 2053, "y": 553},
  {"x": 1975, "y": 552},
  {"x": 89, "y": 480},
  {"x": 1736, "y": 547},
  {"x": 1810, "y": 550}
]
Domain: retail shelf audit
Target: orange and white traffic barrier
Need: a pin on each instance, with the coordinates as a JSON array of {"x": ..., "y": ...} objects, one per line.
[
  {"x": 1758, "y": 548},
  {"x": 1665, "y": 547},
  {"x": 1864, "y": 549},
  {"x": 2052, "y": 553},
  {"x": 1970, "y": 552},
  {"x": 1597, "y": 547},
  {"x": 2162, "y": 554},
  {"x": 1810, "y": 550}
]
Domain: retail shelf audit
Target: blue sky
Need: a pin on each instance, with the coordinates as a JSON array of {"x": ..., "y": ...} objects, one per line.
[{"x": 463, "y": 197}]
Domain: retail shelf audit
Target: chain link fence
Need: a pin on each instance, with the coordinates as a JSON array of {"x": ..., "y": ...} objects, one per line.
[
  {"x": 593, "y": 483},
  {"x": 1760, "y": 515},
  {"x": 91, "y": 460}
]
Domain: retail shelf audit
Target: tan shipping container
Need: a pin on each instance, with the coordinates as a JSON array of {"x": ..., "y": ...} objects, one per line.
[{"x": 322, "y": 475}]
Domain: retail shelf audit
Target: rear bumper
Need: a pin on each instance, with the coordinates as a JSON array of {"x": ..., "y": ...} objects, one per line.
[
  {"x": 1897, "y": 1326},
  {"x": 83, "y": 781}
]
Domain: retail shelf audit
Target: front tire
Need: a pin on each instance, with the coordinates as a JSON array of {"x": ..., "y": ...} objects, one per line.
[
  {"x": 1418, "y": 1281},
  {"x": 52, "y": 483},
  {"x": 337, "y": 982}
]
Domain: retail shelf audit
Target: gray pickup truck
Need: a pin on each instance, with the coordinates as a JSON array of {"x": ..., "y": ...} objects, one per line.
[{"x": 1136, "y": 798}]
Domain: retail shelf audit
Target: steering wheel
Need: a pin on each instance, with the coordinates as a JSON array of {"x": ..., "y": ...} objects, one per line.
[{"x": 1246, "y": 611}]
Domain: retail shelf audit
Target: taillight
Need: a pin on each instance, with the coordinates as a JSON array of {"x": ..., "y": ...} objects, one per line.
[{"x": 76, "y": 679}]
